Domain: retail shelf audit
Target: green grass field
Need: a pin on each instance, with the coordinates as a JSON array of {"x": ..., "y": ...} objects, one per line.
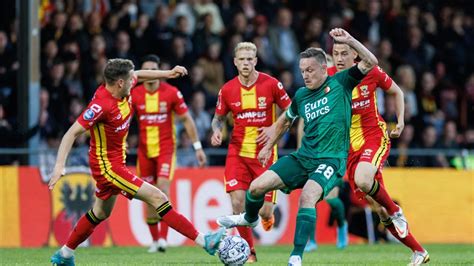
[{"x": 441, "y": 254}]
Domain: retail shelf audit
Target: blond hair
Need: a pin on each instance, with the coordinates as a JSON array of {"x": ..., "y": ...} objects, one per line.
[{"x": 245, "y": 46}]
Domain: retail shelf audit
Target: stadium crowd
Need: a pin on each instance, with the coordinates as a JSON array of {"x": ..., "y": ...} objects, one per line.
[{"x": 426, "y": 47}]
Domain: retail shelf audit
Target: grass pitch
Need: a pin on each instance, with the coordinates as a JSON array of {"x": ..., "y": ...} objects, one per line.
[{"x": 381, "y": 254}]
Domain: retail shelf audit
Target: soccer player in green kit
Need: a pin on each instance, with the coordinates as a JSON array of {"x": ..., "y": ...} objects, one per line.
[{"x": 325, "y": 106}]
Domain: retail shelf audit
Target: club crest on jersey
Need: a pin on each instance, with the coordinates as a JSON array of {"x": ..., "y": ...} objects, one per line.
[
  {"x": 163, "y": 107},
  {"x": 364, "y": 91},
  {"x": 262, "y": 102},
  {"x": 327, "y": 89},
  {"x": 88, "y": 114}
]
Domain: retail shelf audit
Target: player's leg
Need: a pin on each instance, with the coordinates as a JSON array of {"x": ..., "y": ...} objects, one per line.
[
  {"x": 339, "y": 211},
  {"x": 163, "y": 184},
  {"x": 419, "y": 253},
  {"x": 84, "y": 228},
  {"x": 305, "y": 219},
  {"x": 146, "y": 170},
  {"x": 177, "y": 221},
  {"x": 322, "y": 179}
]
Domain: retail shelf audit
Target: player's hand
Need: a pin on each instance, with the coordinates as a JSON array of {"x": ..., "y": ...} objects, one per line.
[
  {"x": 340, "y": 35},
  {"x": 264, "y": 155},
  {"x": 395, "y": 133},
  {"x": 178, "y": 71},
  {"x": 264, "y": 134},
  {"x": 201, "y": 157},
  {"x": 216, "y": 139},
  {"x": 58, "y": 172}
]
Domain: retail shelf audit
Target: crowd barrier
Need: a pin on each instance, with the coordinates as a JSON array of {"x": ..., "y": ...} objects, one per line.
[{"x": 438, "y": 203}]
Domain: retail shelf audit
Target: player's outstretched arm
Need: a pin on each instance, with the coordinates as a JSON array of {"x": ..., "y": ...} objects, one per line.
[
  {"x": 190, "y": 128},
  {"x": 217, "y": 124},
  {"x": 368, "y": 60},
  {"x": 400, "y": 109},
  {"x": 281, "y": 126},
  {"x": 176, "y": 72},
  {"x": 64, "y": 148}
]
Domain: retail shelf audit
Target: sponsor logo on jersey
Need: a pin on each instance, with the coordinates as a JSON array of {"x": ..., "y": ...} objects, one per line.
[
  {"x": 88, "y": 114},
  {"x": 262, "y": 102},
  {"x": 316, "y": 109},
  {"x": 154, "y": 118},
  {"x": 327, "y": 89},
  {"x": 123, "y": 126},
  {"x": 232, "y": 183},
  {"x": 236, "y": 104},
  {"x": 119, "y": 116},
  {"x": 361, "y": 104},
  {"x": 251, "y": 114},
  {"x": 364, "y": 91},
  {"x": 163, "y": 107},
  {"x": 280, "y": 86},
  {"x": 367, "y": 153}
]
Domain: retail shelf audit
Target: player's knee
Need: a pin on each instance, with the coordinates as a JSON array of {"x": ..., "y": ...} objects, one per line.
[
  {"x": 307, "y": 200},
  {"x": 363, "y": 181},
  {"x": 157, "y": 198},
  {"x": 256, "y": 189}
]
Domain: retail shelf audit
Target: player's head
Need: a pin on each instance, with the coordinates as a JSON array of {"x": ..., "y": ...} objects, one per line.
[
  {"x": 343, "y": 56},
  {"x": 151, "y": 62},
  {"x": 245, "y": 58},
  {"x": 119, "y": 73},
  {"x": 313, "y": 67}
]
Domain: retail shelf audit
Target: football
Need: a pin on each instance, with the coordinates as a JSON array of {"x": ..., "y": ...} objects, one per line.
[{"x": 233, "y": 250}]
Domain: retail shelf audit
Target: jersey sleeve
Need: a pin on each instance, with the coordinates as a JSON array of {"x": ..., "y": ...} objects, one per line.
[
  {"x": 292, "y": 112},
  {"x": 281, "y": 97},
  {"x": 384, "y": 81},
  {"x": 179, "y": 106},
  {"x": 95, "y": 112},
  {"x": 347, "y": 80},
  {"x": 221, "y": 106}
]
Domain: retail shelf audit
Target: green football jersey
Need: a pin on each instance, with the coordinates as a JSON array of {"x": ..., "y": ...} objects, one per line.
[{"x": 326, "y": 112}]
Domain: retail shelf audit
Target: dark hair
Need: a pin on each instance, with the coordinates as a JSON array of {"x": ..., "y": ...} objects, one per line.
[
  {"x": 117, "y": 69},
  {"x": 316, "y": 53},
  {"x": 151, "y": 58}
]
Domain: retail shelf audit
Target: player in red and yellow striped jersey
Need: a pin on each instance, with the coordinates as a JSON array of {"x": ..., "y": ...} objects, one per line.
[
  {"x": 252, "y": 98},
  {"x": 156, "y": 103},
  {"x": 370, "y": 146},
  {"x": 108, "y": 119}
]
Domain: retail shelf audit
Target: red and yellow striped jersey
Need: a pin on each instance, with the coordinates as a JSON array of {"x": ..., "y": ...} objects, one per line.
[
  {"x": 366, "y": 119},
  {"x": 252, "y": 107},
  {"x": 108, "y": 120},
  {"x": 155, "y": 113}
]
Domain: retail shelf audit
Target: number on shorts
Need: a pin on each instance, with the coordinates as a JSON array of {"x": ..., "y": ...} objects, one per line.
[{"x": 326, "y": 170}]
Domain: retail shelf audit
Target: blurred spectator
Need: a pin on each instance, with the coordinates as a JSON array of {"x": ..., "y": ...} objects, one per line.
[
  {"x": 404, "y": 143},
  {"x": 141, "y": 37},
  {"x": 467, "y": 103},
  {"x": 186, "y": 157},
  {"x": 449, "y": 140},
  {"x": 265, "y": 54},
  {"x": 55, "y": 29},
  {"x": 419, "y": 54},
  {"x": 369, "y": 24},
  {"x": 230, "y": 70},
  {"x": 406, "y": 79},
  {"x": 50, "y": 52},
  {"x": 122, "y": 47},
  {"x": 428, "y": 108},
  {"x": 8, "y": 69},
  {"x": 213, "y": 69},
  {"x": 202, "y": 119},
  {"x": 110, "y": 31},
  {"x": 208, "y": 7},
  {"x": 58, "y": 93},
  {"x": 313, "y": 32},
  {"x": 185, "y": 9},
  {"x": 181, "y": 31},
  {"x": 75, "y": 32},
  {"x": 204, "y": 35},
  {"x": 72, "y": 76},
  {"x": 161, "y": 31},
  {"x": 428, "y": 141}
]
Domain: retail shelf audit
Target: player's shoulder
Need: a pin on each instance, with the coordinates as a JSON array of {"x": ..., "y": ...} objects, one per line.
[
  {"x": 230, "y": 84},
  {"x": 376, "y": 71},
  {"x": 331, "y": 70},
  {"x": 268, "y": 79}
]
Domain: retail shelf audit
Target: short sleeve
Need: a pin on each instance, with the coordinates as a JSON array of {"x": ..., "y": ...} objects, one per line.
[
  {"x": 95, "y": 112},
  {"x": 179, "y": 106},
  {"x": 221, "y": 106},
  {"x": 281, "y": 97},
  {"x": 384, "y": 81}
]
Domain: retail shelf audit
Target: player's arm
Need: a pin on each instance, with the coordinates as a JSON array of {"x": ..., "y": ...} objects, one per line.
[
  {"x": 281, "y": 126},
  {"x": 190, "y": 128},
  {"x": 400, "y": 109},
  {"x": 368, "y": 60},
  {"x": 64, "y": 148},
  {"x": 217, "y": 124},
  {"x": 176, "y": 72},
  {"x": 265, "y": 133}
]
